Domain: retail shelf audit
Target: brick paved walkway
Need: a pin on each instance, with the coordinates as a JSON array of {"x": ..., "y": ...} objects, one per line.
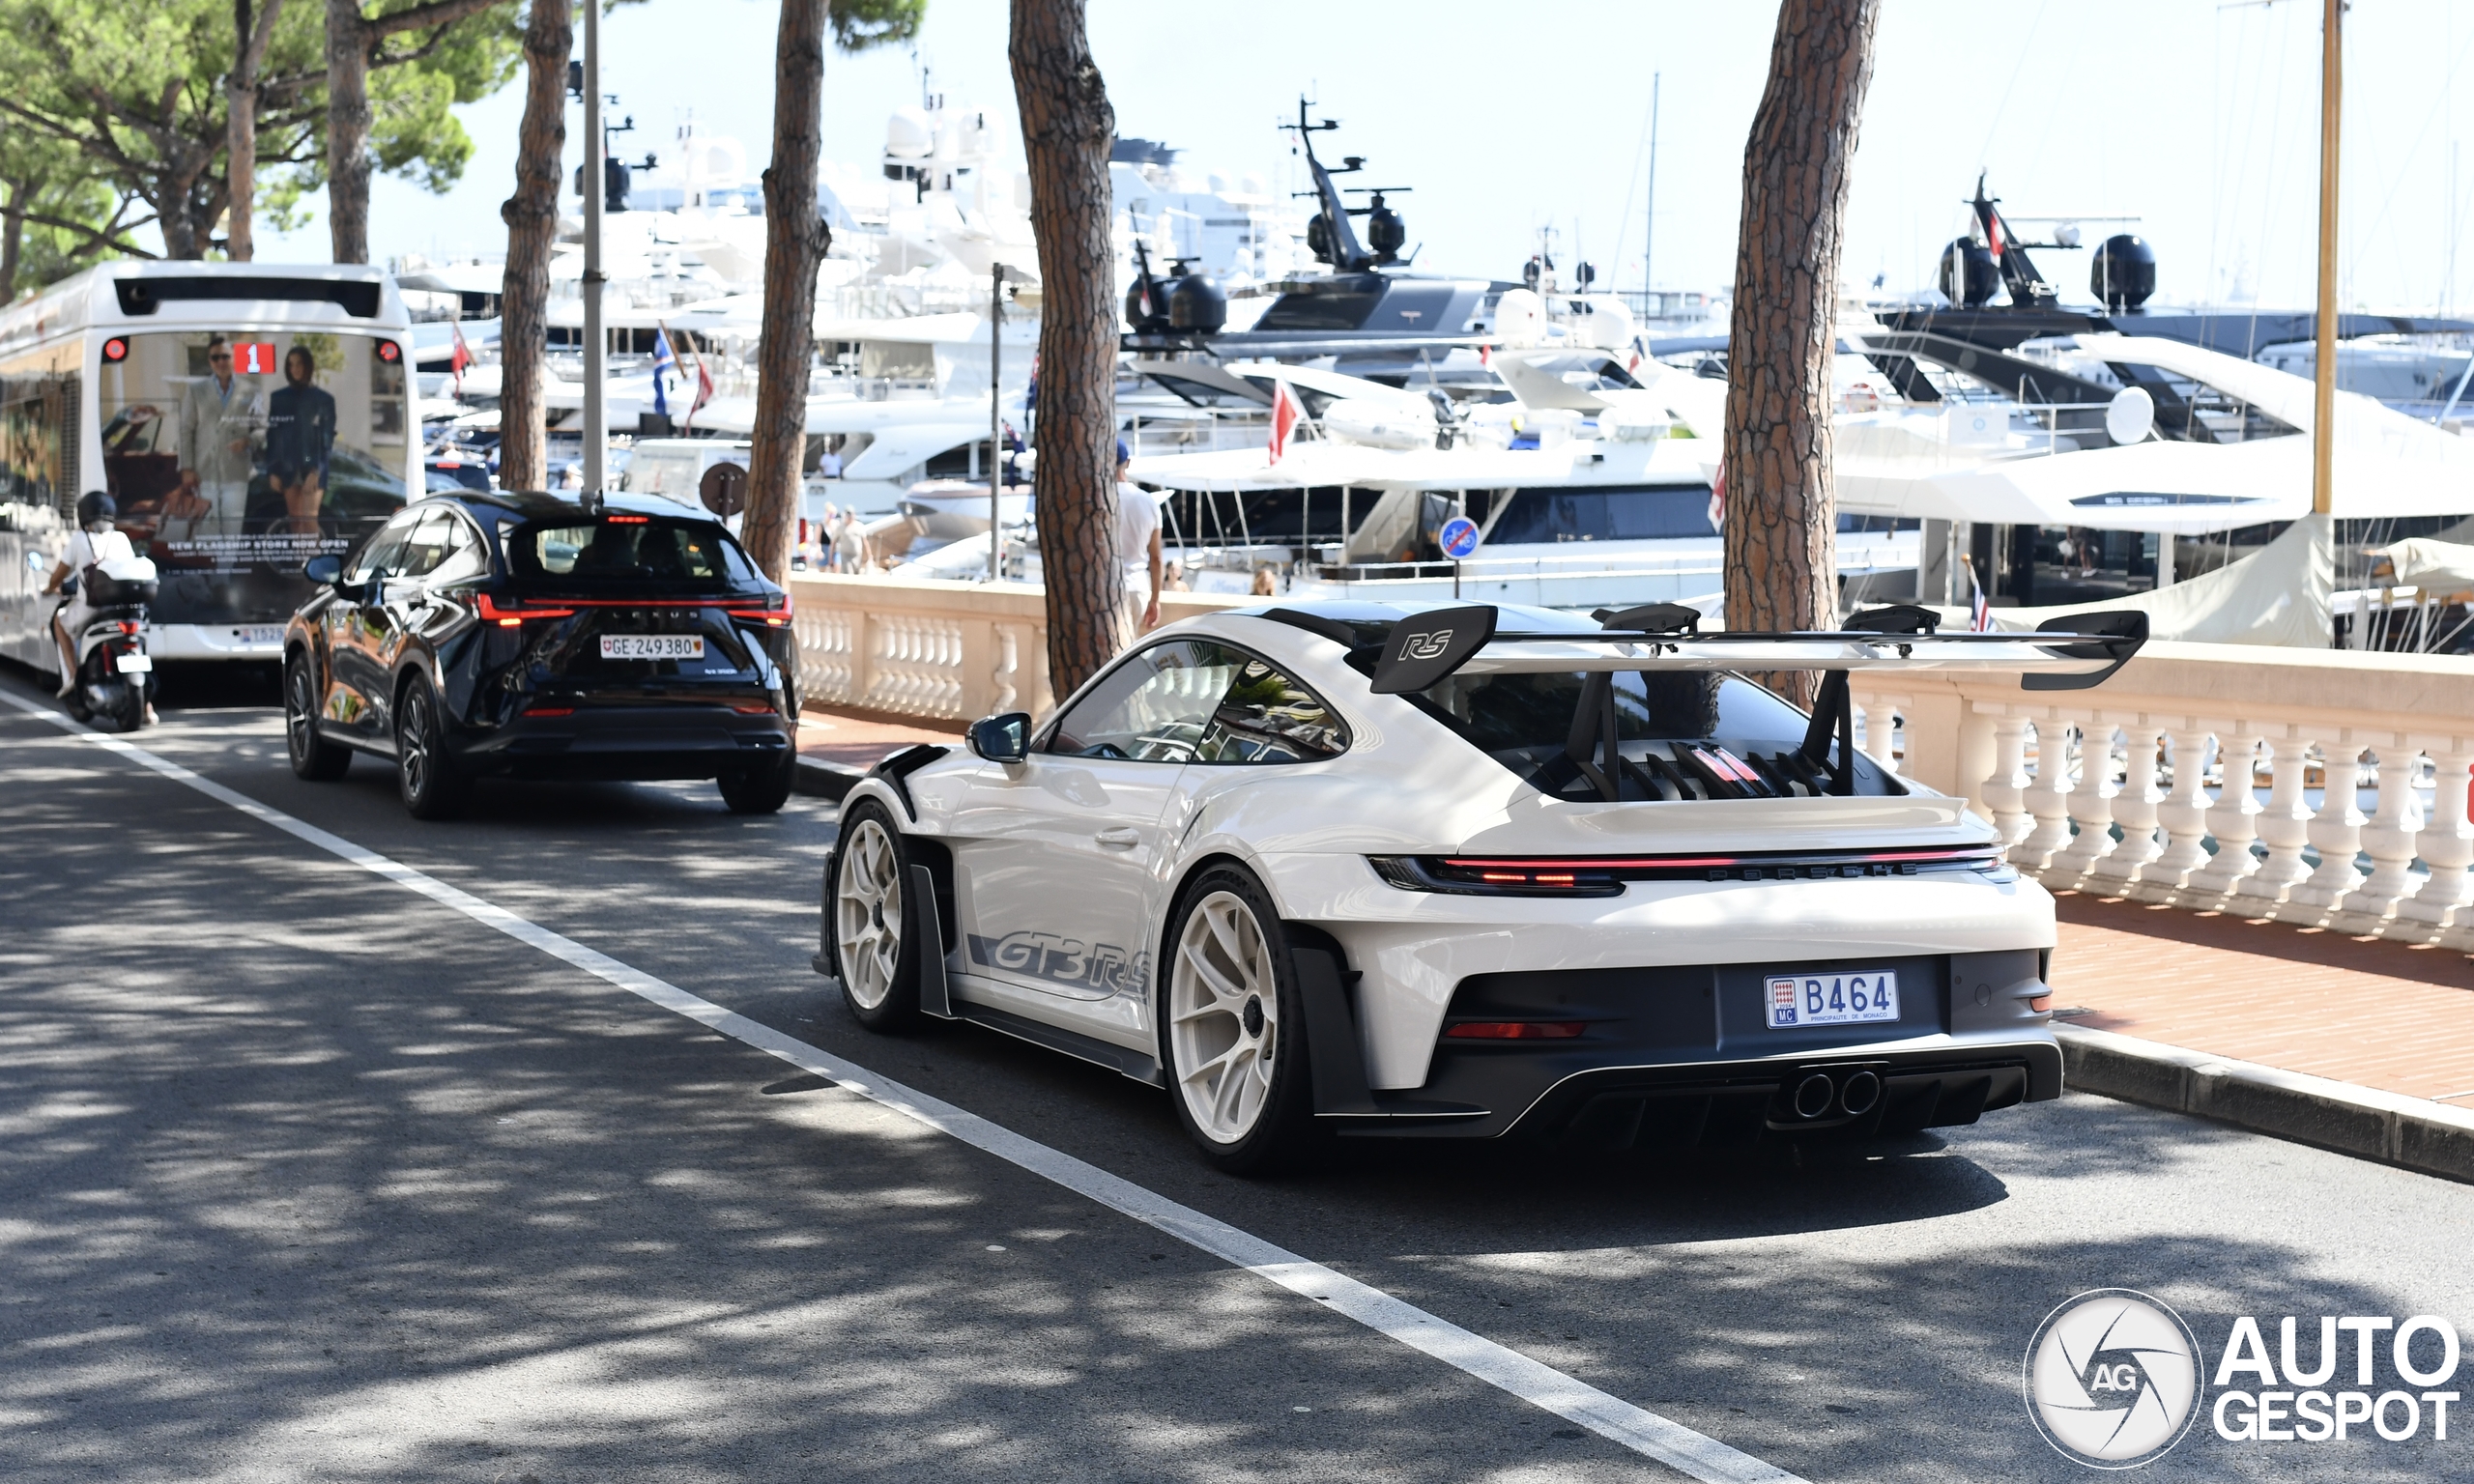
[
  {"x": 861, "y": 741},
  {"x": 2375, "y": 1013}
]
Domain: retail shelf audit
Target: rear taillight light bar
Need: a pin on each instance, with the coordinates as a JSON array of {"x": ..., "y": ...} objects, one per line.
[
  {"x": 509, "y": 617},
  {"x": 1605, "y": 875}
]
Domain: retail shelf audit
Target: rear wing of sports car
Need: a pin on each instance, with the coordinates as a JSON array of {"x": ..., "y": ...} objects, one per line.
[
  {"x": 1424, "y": 650},
  {"x": 2064, "y": 654}
]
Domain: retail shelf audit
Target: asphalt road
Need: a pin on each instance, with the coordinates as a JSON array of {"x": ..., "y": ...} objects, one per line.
[{"x": 306, "y": 1176}]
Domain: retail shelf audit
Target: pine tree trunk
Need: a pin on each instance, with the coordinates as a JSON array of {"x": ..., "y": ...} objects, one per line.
[
  {"x": 348, "y": 119},
  {"x": 176, "y": 208},
  {"x": 251, "y": 34},
  {"x": 795, "y": 238},
  {"x": 1067, "y": 128},
  {"x": 12, "y": 239},
  {"x": 241, "y": 168},
  {"x": 531, "y": 217},
  {"x": 1781, "y": 526}
]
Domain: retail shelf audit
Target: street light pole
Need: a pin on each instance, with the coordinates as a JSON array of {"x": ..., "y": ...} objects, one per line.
[
  {"x": 596, "y": 421},
  {"x": 2323, "y": 400},
  {"x": 995, "y": 424}
]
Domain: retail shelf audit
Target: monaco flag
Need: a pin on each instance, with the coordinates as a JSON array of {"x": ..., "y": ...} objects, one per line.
[{"x": 1286, "y": 415}]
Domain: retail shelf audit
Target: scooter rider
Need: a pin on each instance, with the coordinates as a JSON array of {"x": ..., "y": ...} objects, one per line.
[{"x": 97, "y": 539}]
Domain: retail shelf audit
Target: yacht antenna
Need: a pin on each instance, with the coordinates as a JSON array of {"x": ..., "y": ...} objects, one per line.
[
  {"x": 1346, "y": 255},
  {"x": 1649, "y": 221}
]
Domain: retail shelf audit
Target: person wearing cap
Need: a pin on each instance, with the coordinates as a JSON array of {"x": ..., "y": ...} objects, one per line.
[{"x": 1137, "y": 543}]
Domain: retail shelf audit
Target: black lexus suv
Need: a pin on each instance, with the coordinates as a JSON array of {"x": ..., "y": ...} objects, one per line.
[{"x": 538, "y": 636}]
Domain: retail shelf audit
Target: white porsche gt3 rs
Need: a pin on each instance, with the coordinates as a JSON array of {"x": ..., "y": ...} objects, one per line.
[{"x": 1474, "y": 872}]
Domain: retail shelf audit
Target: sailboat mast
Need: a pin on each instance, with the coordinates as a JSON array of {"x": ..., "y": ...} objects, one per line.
[
  {"x": 1649, "y": 222},
  {"x": 2324, "y": 405}
]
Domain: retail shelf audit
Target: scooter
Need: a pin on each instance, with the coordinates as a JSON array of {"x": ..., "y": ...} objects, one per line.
[{"x": 115, "y": 675}]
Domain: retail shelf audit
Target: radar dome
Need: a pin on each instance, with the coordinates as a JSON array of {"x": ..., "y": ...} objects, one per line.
[
  {"x": 2123, "y": 273},
  {"x": 1196, "y": 303},
  {"x": 1385, "y": 232},
  {"x": 909, "y": 134},
  {"x": 1970, "y": 276}
]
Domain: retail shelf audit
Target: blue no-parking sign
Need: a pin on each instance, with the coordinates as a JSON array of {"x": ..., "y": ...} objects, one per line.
[{"x": 1459, "y": 538}]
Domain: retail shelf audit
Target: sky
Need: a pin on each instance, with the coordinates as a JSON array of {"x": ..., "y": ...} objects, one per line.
[{"x": 2198, "y": 118}]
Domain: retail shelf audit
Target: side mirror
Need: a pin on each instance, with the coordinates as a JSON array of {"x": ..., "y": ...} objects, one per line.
[
  {"x": 1003, "y": 738},
  {"x": 325, "y": 571}
]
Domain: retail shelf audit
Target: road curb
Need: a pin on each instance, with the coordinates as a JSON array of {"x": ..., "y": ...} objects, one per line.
[
  {"x": 2413, "y": 1133},
  {"x": 822, "y": 779}
]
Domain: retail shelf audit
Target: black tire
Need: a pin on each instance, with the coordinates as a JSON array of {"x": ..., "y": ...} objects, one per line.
[
  {"x": 761, "y": 789},
  {"x": 313, "y": 757},
  {"x": 124, "y": 707},
  {"x": 875, "y": 952},
  {"x": 1263, "y": 1121},
  {"x": 425, "y": 773}
]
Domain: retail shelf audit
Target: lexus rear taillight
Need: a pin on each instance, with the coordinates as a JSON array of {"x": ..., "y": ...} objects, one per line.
[
  {"x": 514, "y": 615},
  {"x": 752, "y": 707},
  {"x": 772, "y": 617},
  {"x": 549, "y": 710},
  {"x": 1515, "y": 1030}
]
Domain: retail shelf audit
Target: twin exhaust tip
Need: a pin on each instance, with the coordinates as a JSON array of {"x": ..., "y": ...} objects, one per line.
[{"x": 1821, "y": 1094}]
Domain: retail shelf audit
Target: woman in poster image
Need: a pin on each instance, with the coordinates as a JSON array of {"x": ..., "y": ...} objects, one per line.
[{"x": 300, "y": 433}]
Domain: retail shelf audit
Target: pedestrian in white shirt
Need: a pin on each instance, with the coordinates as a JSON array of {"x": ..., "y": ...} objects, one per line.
[{"x": 1138, "y": 545}]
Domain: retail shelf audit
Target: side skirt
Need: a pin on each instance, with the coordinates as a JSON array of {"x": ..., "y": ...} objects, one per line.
[{"x": 1089, "y": 1048}]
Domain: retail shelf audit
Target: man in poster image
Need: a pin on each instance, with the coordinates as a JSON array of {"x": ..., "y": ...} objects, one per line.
[
  {"x": 217, "y": 434},
  {"x": 300, "y": 433}
]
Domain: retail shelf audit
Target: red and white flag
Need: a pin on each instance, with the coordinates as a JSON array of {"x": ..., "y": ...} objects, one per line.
[
  {"x": 1286, "y": 414},
  {"x": 462, "y": 358},
  {"x": 1979, "y": 611}
]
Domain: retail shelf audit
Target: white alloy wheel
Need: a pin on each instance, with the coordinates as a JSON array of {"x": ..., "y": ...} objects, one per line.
[
  {"x": 867, "y": 906},
  {"x": 1223, "y": 1016}
]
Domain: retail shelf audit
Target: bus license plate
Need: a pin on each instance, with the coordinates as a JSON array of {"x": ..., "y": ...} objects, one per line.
[
  {"x": 653, "y": 647},
  {"x": 1799, "y": 1000}
]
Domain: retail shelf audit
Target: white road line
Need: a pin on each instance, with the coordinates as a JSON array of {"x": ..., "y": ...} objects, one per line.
[{"x": 1644, "y": 1432}]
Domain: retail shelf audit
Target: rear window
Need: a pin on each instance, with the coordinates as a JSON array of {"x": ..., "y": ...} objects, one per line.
[
  {"x": 1678, "y": 731},
  {"x": 620, "y": 550}
]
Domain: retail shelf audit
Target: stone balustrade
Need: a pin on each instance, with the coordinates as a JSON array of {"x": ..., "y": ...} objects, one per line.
[
  {"x": 2218, "y": 778},
  {"x": 2214, "y": 776},
  {"x": 939, "y": 650}
]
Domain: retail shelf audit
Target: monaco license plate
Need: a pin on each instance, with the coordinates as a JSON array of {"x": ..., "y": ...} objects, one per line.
[
  {"x": 260, "y": 633},
  {"x": 653, "y": 647},
  {"x": 134, "y": 664},
  {"x": 1799, "y": 1000}
]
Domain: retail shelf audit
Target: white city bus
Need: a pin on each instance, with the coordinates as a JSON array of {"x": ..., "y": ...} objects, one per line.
[{"x": 244, "y": 417}]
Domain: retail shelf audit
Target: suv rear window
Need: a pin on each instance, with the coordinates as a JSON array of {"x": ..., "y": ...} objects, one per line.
[
  {"x": 630, "y": 549},
  {"x": 1678, "y": 733}
]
